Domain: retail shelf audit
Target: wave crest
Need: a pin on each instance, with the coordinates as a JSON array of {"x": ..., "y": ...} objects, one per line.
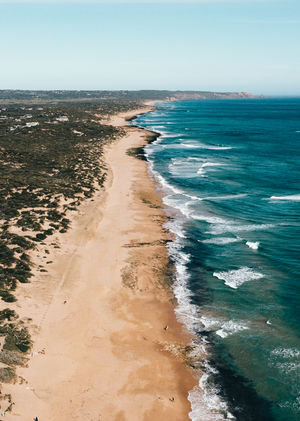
[{"x": 235, "y": 278}]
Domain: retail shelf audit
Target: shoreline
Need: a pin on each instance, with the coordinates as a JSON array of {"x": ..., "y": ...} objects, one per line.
[{"x": 107, "y": 355}]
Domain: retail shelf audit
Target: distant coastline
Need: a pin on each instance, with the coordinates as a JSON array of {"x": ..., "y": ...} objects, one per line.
[{"x": 142, "y": 96}]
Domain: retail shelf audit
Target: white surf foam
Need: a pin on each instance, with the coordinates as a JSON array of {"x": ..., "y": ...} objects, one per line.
[
  {"x": 286, "y": 352},
  {"x": 163, "y": 182},
  {"x": 293, "y": 197},
  {"x": 186, "y": 312},
  {"x": 210, "y": 219},
  {"x": 232, "y": 227},
  {"x": 221, "y": 328},
  {"x": 218, "y": 148},
  {"x": 188, "y": 145},
  {"x": 228, "y": 197},
  {"x": 229, "y": 328},
  {"x": 174, "y": 197},
  {"x": 179, "y": 203},
  {"x": 184, "y": 168},
  {"x": 206, "y": 403},
  {"x": 192, "y": 197},
  {"x": 288, "y": 367},
  {"x": 209, "y": 323},
  {"x": 176, "y": 229},
  {"x": 221, "y": 240},
  {"x": 211, "y": 164},
  {"x": 167, "y": 135},
  {"x": 203, "y": 146},
  {"x": 201, "y": 170},
  {"x": 294, "y": 406},
  {"x": 253, "y": 246},
  {"x": 235, "y": 278}
]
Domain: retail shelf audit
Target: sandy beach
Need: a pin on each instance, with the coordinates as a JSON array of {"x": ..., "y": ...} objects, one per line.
[{"x": 98, "y": 315}]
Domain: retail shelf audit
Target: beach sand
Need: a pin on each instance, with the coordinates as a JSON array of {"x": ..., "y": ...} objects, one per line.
[{"x": 99, "y": 312}]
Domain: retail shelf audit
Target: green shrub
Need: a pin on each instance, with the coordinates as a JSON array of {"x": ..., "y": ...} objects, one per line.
[
  {"x": 41, "y": 236},
  {"x": 7, "y": 297}
]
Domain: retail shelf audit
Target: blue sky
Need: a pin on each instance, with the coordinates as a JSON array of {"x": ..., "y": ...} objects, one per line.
[{"x": 251, "y": 46}]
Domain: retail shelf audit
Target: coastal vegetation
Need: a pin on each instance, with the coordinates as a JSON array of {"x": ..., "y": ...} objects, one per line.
[
  {"x": 50, "y": 162},
  {"x": 45, "y": 170}
]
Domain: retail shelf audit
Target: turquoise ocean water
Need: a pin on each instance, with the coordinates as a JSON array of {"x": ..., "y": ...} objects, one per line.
[{"x": 229, "y": 171}]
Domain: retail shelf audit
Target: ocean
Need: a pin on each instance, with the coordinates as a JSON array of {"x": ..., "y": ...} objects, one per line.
[{"x": 228, "y": 171}]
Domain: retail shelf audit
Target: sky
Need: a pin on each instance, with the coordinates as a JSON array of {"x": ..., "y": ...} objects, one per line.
[{"x": 207, "y": 45}]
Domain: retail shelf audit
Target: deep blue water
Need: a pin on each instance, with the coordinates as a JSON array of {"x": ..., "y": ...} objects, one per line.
[{"x": 229, "y": 174}]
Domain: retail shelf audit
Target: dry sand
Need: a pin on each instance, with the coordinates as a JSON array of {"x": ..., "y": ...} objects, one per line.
[{"x": 107, "y": 356}]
